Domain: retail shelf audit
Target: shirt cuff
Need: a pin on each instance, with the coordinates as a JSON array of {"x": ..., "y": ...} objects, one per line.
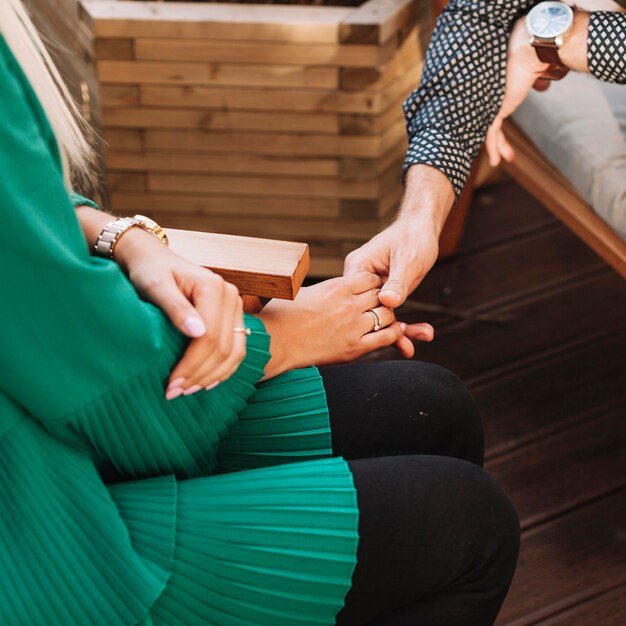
[
  {"x": 606, "y": 46},
  {"x": 442, "y": 151},
  {"x": 78, "y": 200}
]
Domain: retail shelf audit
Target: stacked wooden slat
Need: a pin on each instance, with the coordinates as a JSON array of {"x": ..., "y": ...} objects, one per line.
[{"x": 262, "y": 120}]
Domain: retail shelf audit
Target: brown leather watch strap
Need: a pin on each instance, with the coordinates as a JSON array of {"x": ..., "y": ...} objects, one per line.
[{"x": 548, "y": 53}]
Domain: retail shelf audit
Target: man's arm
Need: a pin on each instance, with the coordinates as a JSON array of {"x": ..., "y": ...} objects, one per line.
[{"x": 447, "y": 118}]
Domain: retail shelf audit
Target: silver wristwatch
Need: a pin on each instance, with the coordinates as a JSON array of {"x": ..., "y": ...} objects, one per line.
[{"x": 111, "y": 233}]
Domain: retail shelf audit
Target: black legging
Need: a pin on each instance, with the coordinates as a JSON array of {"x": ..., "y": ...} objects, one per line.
[{"x": 438, "y": 539}]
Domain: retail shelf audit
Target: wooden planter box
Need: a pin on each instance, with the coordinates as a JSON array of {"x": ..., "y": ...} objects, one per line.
[{"x": 263, "y": 120}]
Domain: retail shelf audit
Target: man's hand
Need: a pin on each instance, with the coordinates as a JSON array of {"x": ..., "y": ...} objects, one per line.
[
  {"x": 523, "y": 72},
  {"x": 404, "y": 253}
]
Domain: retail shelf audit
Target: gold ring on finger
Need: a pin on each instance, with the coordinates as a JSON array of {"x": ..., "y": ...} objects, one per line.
[
  {"x": 377, "y": 324},
  {"x": 241, "y": 329}
]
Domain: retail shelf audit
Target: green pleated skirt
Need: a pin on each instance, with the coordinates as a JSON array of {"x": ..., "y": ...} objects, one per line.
[{"x": 246, "y": 520}]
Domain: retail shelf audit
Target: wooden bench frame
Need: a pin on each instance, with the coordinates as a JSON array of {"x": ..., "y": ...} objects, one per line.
[{"x": 541, "y": 179}]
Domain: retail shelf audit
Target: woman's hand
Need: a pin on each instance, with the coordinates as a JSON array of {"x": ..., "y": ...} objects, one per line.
[
  {"x": 329, "y": 323},
  {"x": 200, "y": 303}
]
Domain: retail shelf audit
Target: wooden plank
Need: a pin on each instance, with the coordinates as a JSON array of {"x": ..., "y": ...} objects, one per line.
[
  {"x": 120, "y": 49},
  {"x": 572, "y": 559},
  {"x": 204, "y": 119},
  {"x": 607, "y": 609},
  {"x": 532, "y": 402},
  {"x": 326, "y": 267},
  {"x": 275, "y": 186},
  {"x": 533, "y": 171},
  {"x": 209, "y": 205},
  {"x": 216, "y": 21},
  {"x": 284, "y": 99},
  {"x": 529, "y": 331},
  {"x": 275, "y": 143},
  {"x": 279, "y": 228},
  {"x": 377, "y": 21},
  {"x": 149, "y": 72},
  {"x": 370, "y": 124},
  {"x": 119, "y": 95},
  {"x": 408, "y": 59},
  {"x": 489, "y": 225},
  {"x": 156, "y": 161},
  {"x": 260, "y": 267},
  {"x": 282, "y": 53},
  {"x": 577, "y": 465},
  {"x": 126, "y": 181},
  {"x": 487, "y": 278},
  {"x": 123, "y": 139},
  {"x": 356, "y": 168}
]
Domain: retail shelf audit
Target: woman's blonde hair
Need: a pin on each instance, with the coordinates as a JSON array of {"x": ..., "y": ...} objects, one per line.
[{"x": 65, "y": 119}]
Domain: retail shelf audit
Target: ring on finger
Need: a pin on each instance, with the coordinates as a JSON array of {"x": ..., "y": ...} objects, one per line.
[
  {"x": 241, "y": 329},
  {"x": 377, "y": 324}
]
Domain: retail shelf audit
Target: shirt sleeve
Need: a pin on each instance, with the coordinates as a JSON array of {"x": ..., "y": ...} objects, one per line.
[
  {"x": 73, "y": 328},
  {"x": 606, "y": 46},
  {"x": 462, "y": 85}
]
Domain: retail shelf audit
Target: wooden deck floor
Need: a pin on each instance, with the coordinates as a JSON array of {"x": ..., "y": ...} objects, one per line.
[{"x": 543, "y": 348}]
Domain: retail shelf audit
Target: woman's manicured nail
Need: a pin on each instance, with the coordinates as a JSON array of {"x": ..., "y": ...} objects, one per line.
[
  {"x": 174, "y": 393},
  {"x": 178, "y": 382},
  {"x": 403, "y": 326},
  {"x": 194, "y": 326},
  {"x": 212, "y": 385},
  {"x": 191, "y": 390}
]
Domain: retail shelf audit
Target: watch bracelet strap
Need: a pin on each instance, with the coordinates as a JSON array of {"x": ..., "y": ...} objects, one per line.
[
  {"x": 548, "y": 53},
  {"x": 113, "y": 231}
]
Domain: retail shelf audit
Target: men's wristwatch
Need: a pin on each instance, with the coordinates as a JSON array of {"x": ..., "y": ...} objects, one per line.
[{"x": 548, "y": 23}]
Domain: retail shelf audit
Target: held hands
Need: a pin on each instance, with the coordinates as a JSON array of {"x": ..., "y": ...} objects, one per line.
[
  {"x": 198, "y": 302},
  {"x": 329, "y": 323}
]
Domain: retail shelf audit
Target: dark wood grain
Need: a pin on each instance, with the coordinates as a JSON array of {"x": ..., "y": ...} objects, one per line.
[
  {"x": 575, "y": 557},
  {"x": 537, "y": 323},
  {"x": 603, "y": 610},
  {"x": 569, "y": 468},
  {"x": 529, "y": 404}
]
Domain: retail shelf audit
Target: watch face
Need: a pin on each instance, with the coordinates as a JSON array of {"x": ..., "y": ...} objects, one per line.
[{"x": 548, "y": 20}]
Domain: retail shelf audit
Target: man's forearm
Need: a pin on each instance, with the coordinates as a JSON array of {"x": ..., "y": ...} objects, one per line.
[
  {"x": 573, "y": 52},
  {"x": 428, "y": 196}
]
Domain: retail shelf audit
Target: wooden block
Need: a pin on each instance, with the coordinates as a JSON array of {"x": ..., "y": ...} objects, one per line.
[
  {"x": 119, "y": 95},
  {"x": 114, "y": 49},
  {"x": 203, "y": 50},
  {"x": 275, "y": 143},
  {"x": 146, "y": 72},
  {"x": 139, "y": 117},
  {"x": 216, "y": 21},
  {"x": 378, "y": 21},
  {"x": 206, "y": 205},
  {"x": 261, "y": 267},
  {"x": 157, "y": 161},
  {"x": 123, "y": 139}
]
